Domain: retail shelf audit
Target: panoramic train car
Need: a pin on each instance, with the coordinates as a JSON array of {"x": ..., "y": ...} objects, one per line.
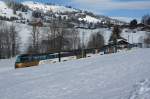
[
  {"x": 28, "y": 60},
  {"x": 50, "y": 58}
]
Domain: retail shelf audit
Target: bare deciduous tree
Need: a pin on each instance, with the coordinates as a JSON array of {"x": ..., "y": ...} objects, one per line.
[
  {"x": 74, "y": 38},
  {"x": 147, "y": 40},
  {"x": 35, "y": 39},
  {"x": 9, "y": 44},
  {"x": 14, "y": 38},
  {"x": 96, "y": 41}
]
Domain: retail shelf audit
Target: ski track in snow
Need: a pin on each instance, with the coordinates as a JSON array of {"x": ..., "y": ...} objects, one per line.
[{"x": 141, "y": 90}]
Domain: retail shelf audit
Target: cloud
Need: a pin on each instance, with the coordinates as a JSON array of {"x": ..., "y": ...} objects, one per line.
[{"x": 111, "y": 5}]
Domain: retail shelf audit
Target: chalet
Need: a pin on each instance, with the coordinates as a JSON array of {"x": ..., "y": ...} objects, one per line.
[{"x": 112, "y": 48}]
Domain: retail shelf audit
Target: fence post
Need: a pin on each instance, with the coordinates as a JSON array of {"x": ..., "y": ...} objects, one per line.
[{"x": 59, "y": 56}]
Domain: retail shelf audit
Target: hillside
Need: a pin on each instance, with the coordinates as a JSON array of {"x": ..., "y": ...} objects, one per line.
[
  {"x": 27, "y": 11},
  {"x": 45, "y": 7},
  {"x": 26, "y": 30},
  {"x": 124, "y": 75},
  {"x": 42, "y": 25}
]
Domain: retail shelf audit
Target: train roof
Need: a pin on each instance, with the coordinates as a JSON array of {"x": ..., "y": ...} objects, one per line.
[{"x": 22, "y": 55}]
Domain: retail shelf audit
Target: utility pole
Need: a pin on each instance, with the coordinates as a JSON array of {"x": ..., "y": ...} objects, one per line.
[
  {"x": 128, "y": 41},
  {"x": 132, "y": 37},
  {"x": 59, "y": 56}
]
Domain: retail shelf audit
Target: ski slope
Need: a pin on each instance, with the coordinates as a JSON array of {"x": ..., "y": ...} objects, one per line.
[{"x": 124, "y": 75}]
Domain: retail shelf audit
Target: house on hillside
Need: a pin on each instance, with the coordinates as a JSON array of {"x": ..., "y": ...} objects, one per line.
[{"x": 112, "y": 48}]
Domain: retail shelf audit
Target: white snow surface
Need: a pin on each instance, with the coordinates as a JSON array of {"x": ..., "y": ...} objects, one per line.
[
  {"x": 141, "y": 90},
  {"x": 112, "y": 76},
  {"x": 7, "y": 65}
]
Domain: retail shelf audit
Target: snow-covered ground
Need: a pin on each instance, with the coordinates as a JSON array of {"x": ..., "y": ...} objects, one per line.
[
  {"x": 7, "y": 65},
  {"x": 124, "y": 75}
]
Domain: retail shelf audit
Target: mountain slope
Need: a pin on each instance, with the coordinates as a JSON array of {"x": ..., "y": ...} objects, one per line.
[
  {"x": 5, "y": 10},
  {"x": 39, "y": 6},
  {"x": 24, "y": 12}
]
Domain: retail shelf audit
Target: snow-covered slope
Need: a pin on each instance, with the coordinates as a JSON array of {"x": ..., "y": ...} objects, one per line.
[
  {"x": 3, "y": 5},
  {"x": 57, "y": 9},
  {"x": 5, "y": 10},
  {"x": 112, "y": 76},
  {"x": 90, "y": 19},
  {"x": 129, "y": 35},
  {"x": 47, "y": 9},
  {"x": 134, "y": 36},
  {"x": 39, "y": 6}
]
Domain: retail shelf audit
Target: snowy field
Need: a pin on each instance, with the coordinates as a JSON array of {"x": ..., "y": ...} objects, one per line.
[
  {"x": 124, "y": 75},
  {"x": 6, "y": 65}
]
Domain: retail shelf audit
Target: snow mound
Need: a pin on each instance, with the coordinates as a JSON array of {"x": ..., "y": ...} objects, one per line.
[{"x": 141, "y": 90}]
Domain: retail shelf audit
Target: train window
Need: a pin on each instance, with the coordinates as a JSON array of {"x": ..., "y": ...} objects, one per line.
[
  {"x": 35, "y": 58},
  {"x": 18, "y": 59},
  {"x": 55, "y": 56},
  {"x": 25, "y": 59},
  {"x": 43, "y": 57},
  {"x": 49, "y": 56}
]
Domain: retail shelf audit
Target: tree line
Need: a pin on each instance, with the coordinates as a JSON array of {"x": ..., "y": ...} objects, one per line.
[
  {"x": 58, "y": 36},
  {"x": 9, "y": 40}
]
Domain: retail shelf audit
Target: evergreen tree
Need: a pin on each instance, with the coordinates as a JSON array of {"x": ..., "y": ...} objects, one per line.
[
  {"x": 133, "y": 23},
  {"x": 115, "y": 36}
]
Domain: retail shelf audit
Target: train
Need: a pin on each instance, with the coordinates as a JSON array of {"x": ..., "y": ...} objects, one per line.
[{"x": 28, "y": 60}]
